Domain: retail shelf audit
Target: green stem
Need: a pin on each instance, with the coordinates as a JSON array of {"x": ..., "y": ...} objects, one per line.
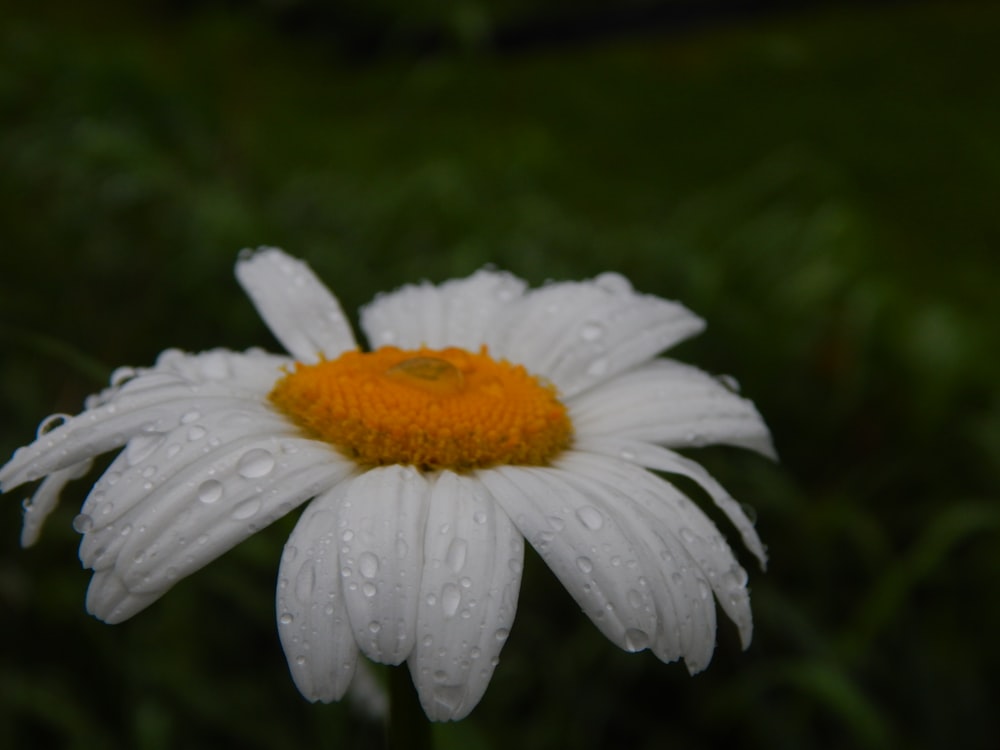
[{"x": 406, "y": 726}]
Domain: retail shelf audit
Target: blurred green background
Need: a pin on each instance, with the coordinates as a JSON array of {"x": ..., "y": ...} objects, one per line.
[{"x": 821, "y": 184}]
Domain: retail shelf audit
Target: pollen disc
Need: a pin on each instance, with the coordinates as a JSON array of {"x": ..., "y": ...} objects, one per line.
[{"x": 432, "y": 408}]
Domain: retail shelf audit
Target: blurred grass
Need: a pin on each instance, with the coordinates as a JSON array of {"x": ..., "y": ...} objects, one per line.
[{"x": 822, "y": 188}]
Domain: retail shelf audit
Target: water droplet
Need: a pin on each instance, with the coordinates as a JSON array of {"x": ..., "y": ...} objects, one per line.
[
  {"x": 501, "y": 634},
  {"x": 590, "y": 517},
  {"x": 636, "y": 640},
  {"x": 83, "y": 523},
  {"x": 255, "y": 463},
  {"x": 703, "y": 588},
  {"x": 374, "y": 626},
  {"x": 556, "y": 523},
  {"x": 305, "y": 583},
  {"x": 750, "y": 512},
  {"x": 584, "y": 564},
  {"x": 50, "y": 423},
  {"x": 614, "y": 283},
  {"x": 628, "y": 455},
  {"x": 598, "y": 367},
  {"x": 141, "y": 447},
  {"x": 210, "y": 491},
  {"x": 591, "y": 330},
  {"x": 427, "y": 641},
  {"x": 121, "y": 376},
  {"x": 246, "y": 509},
  {"x": 450, "y": 599},
  {"x": 286, "y": 618},
  {"x": 449, "y": 696},
  {"x": 300, "y": 660},
  {"x": 190, "y": 416},
  {"x": 197, "y": 432},
  {"x": 687, "y": 535},
  {"x": 368, "y": 565},
  {"x": 479, "y": 517},
  {"x": 369, "y": 589},
  {"x": 634, "y": 598},
  {"x": 126, "y": 529},
  {"x": 431, "y": 600},
  {"x": 456, "y": 554},
  {"x": 737, "y": 577},
  {"x": 401, "y": 548}
]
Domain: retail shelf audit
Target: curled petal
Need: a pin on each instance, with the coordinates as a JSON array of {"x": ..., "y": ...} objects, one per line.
[
  {"x": 583, "y": 543},
  {"x": 579, "y": 334},
  {"x": 671, "y": 404},
  {"x": 313, "y": 623},
  {"x": 456, "y": 313},
  {"x": 473, "y": 559},
  {"x": 381, "y": 542},
  {"x": 662, "y": 459},
  {"x": 296, "y": 306}
]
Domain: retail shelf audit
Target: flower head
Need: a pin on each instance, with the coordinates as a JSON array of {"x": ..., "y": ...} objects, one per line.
[{"x": 485, "y": 414}]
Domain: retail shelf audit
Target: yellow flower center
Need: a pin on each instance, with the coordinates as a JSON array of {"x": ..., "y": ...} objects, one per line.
[{"x": 435, "y": 409}]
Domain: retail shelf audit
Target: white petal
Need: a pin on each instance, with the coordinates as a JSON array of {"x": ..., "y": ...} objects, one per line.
[
  {"x": 675, "y": 515},
  {"x": 579, "y": 334},
  {"x": 157, "y": 469},
  {"x": 662, "y": 459},
  {"x": 583, "y": 543},
  {"x": 381, "y": 540},
  {"x": 473, "y": 558},
  {"x": 456, "y": 313},
  {"x": 672, "y": 404},
  {"x": 297, "y": 307},
  {"x": 313, "y": 623},
  {"x": 209, "y": 507},
  {"x": 45, "y": 499},
  {"x": 108, "y": 595},
  {"x": 156, "y": 400}
]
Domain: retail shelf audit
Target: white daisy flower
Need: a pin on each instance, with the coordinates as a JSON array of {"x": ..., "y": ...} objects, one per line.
[{"x": 485, "y": 414}]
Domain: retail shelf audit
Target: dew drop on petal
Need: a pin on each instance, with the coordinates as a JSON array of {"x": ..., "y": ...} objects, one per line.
[
  {"x": 598, "y": 367},
  {"x": 501, "y": 634},
  {"x": 591, "y": 331},
  {"x": 614, "y": 283},
  {"x": 210, "y": 491},
  {"x": 584, "y": 564},
  {"x": 190, "y": 416},
  {"x": 141, "y": 447},
  {"x": 50, "y": 423},
  {"x": 450, "y": 599},
  {"x": 456, "y": 554},
  {"x": 83, "y": 523},
  {"x": 121, "y": 376},
  {"x": 197, "y": 432},
  {"x": 687, "y": 535},
  {"x": 246, "y": 509},
  {"x": 368, "y": 565},
  {"x": 449, "y": 696},
  {"x": 636, "y": 640},
  {"x": 590, "y": 517},
  {"x": 255, "y": 463},
  {"x": 369, "y": 589},
  {"x": 374, "y": 626},
  {"x": 286, "y": 618}
]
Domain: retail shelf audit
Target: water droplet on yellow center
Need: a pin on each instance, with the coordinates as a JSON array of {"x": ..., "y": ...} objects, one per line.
[{"x": 435, "y": 409}]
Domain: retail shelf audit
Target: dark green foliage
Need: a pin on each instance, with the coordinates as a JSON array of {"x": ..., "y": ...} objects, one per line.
[{"x": 821, "y": 188}]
